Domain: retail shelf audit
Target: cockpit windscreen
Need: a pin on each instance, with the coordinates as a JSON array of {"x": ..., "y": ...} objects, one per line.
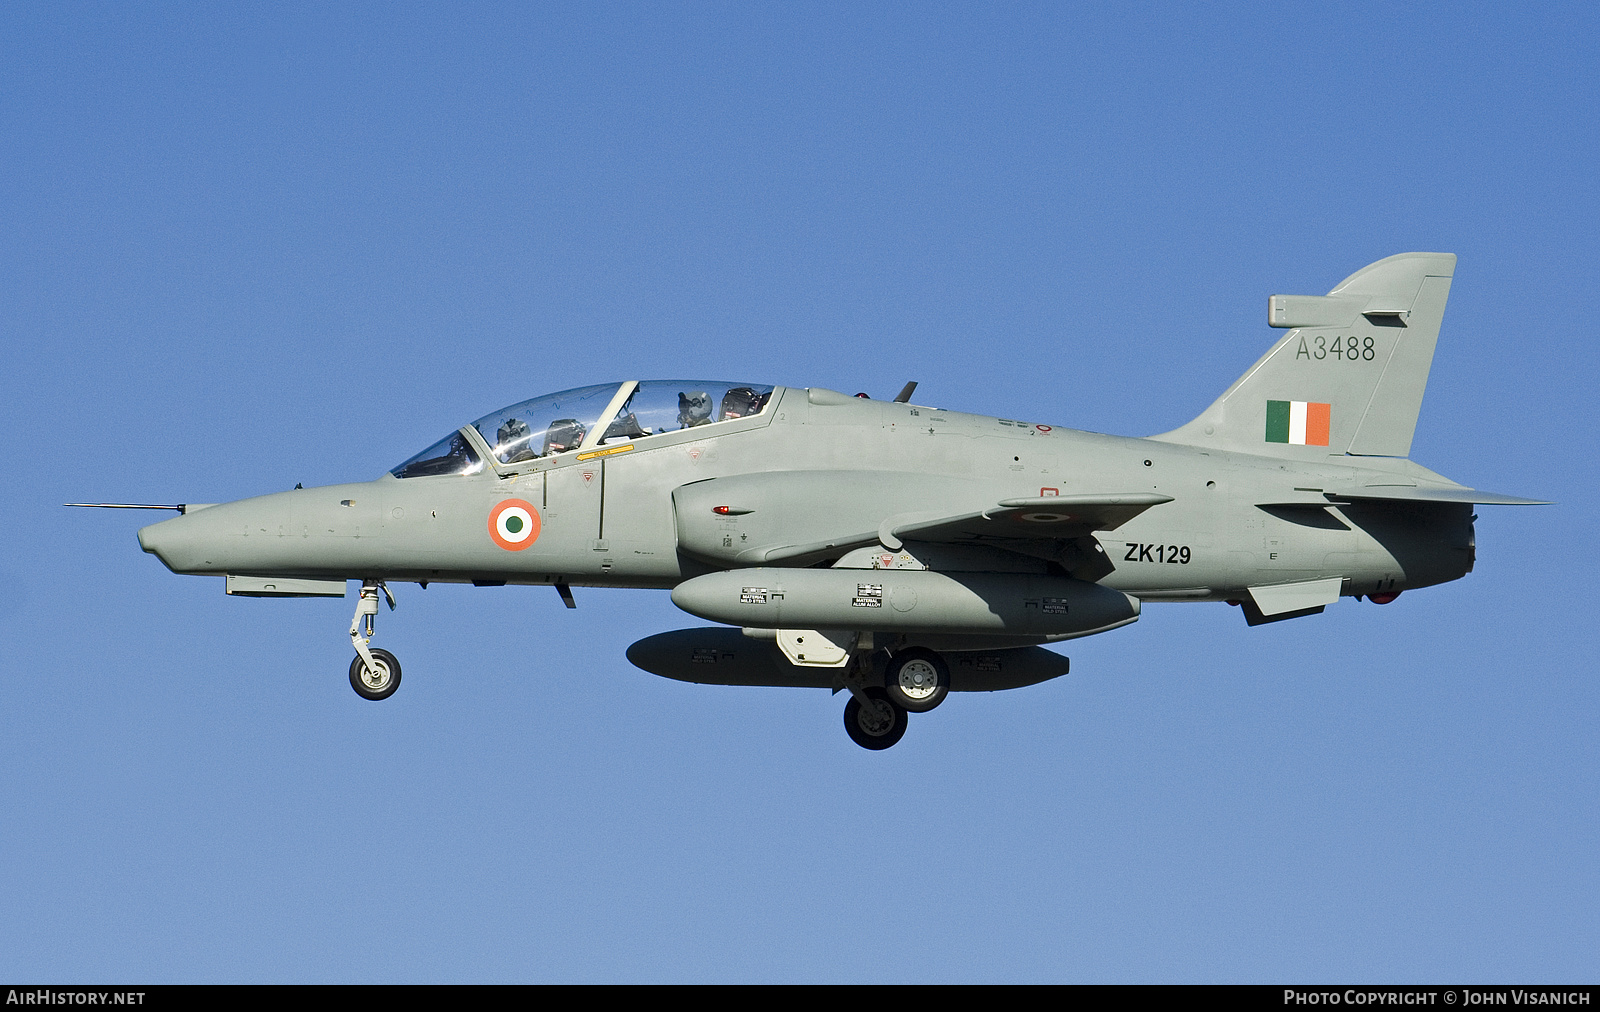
[
  {"x": 554, "y": 423},
  {"x": 450, "y": 455}
]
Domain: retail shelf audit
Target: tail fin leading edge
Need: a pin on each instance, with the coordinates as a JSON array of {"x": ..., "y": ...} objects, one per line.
[{"x": 1349, "y": 375}]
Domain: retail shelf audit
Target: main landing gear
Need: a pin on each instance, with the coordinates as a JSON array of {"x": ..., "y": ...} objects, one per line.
[
  {"x": 374, "y": 673},
  {"x": 872, "y": 721},
  {"x": 916, "y": 681}
]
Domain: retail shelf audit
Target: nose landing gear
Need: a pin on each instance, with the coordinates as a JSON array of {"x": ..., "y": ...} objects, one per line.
[
  {"x": 377, "y": 678},
  {"x": 375, "y": 673}
]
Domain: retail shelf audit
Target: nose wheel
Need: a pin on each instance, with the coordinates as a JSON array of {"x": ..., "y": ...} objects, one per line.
[
  {"x": 375, "y": 673},
  {"x": 376, "y": 680}
]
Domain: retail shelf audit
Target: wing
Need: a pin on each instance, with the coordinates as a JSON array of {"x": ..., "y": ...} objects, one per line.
[
  {"x": 1047, "y": 518},
  {"x": 798, "y": 518},
  {"x": 1058, "y": 528}
]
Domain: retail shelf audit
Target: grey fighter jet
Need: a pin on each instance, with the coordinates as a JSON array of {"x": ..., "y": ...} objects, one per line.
[{"x": 896, "y": 551}]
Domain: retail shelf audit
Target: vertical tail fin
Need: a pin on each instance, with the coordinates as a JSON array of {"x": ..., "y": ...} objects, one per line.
[{"x": 1348, "y": 378}]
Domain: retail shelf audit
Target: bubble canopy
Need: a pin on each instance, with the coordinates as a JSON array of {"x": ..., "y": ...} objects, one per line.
[{"x": 607, "y": 414}]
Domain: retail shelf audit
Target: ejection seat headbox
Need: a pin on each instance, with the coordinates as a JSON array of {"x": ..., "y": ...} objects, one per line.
[
  {"x": 741, "y": 402},
  {"x": 564, "y": 434}
]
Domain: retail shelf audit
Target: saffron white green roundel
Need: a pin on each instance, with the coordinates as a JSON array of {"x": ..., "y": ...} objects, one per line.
[{"x": 514, "y": 525}]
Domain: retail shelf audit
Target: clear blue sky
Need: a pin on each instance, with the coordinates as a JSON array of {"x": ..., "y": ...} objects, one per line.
[{"x": 298, "y": 244}]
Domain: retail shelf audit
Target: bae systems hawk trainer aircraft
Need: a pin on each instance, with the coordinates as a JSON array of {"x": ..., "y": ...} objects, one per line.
[{"x": 896, "y": 551}]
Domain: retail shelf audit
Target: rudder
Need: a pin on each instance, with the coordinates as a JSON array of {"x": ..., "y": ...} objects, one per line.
[{"x": 1348, "y": 377}]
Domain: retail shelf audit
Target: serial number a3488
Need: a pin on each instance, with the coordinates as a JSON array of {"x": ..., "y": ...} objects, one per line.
[{"x": 1176, "y": 554}]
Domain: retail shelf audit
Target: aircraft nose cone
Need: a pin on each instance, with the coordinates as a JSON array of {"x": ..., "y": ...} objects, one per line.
[
  {"x": 153, "y": 539},
  {"x": 169, "y": 541}
]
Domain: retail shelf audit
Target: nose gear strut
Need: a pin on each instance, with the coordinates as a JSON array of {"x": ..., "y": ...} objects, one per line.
[{"x": 374, "y": 673}]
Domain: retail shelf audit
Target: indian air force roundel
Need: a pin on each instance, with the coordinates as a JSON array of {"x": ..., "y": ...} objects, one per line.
[{"x": 514, "y": 525}]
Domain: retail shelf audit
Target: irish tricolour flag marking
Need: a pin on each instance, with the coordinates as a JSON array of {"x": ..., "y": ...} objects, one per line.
[
  {"x": 1300, "y": 423},
  {"x": 514, "y": 525}
]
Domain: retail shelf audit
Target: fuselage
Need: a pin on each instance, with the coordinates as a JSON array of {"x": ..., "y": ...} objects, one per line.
[
  {"x": 899, "y": 551},
  {"x": 629, "y": 513}
]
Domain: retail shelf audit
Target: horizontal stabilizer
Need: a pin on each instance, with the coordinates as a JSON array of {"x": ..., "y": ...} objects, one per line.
[
  {"x": 1413, "y": 493},
  {"x": 1458, "y": 494}
]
